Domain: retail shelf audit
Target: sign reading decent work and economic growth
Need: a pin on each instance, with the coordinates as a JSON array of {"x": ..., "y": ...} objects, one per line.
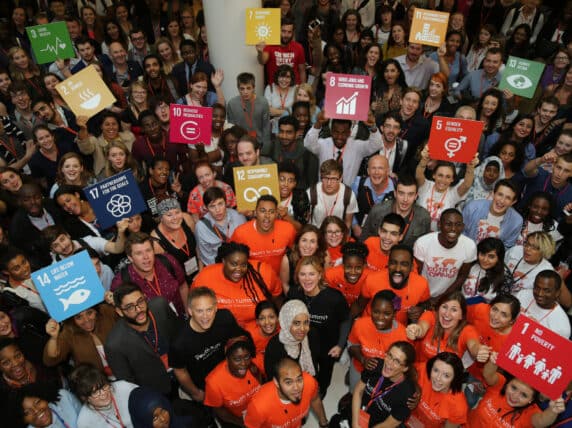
[
  {"x": 521, "y": 76},
  {"x": 262, "y": 25},
  {"x": 538, "y": 356},
  {"x": 251, "y": 182},
  {"x": 69, "y": 286},
  {"x": 428, "y": 27},
  {"x": 347, "y": 96},
  {"x": 115, "y": 198},
  {"x": 50, "y": 42},
  {"x": 190, "y": 124},
  {"x": 454, "y": 140},
  {"x": 85, "y": 92}
]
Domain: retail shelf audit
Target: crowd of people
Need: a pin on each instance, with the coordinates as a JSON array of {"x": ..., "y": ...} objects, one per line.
[{"x": 374, "y": 255}]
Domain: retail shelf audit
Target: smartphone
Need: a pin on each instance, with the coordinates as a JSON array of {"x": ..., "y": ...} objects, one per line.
[
  {"x": 567, "y": 213},
  {"x": 315, "y": 23}
]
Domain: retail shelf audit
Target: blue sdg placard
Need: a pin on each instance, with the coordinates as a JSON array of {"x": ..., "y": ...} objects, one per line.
[
  {"x": 69, "y": 286},
  {"x": 115, "y": 198}
]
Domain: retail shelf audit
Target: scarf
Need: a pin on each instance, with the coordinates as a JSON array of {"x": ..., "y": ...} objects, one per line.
[{"x": 289, "y": 311}]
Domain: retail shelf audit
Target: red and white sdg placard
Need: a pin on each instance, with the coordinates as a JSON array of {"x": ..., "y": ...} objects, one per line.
[
  {"x": 347, "y": 96},
  {"x": 538, "y": 356},
  {"x": 190, "y": 124},
  {"x": 454, "y": 140}
]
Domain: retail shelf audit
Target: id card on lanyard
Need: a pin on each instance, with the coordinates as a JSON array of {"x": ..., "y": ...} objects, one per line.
[{"x": 377, "y": 393}]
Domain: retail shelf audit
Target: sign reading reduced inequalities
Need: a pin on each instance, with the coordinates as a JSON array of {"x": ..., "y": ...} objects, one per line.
[
  {"x": 262, "y": 25},
  {"x": 538, "y": 356},
  {"x": 50, "y": 42},
  {"x": 347, "y": 96},
  {"x": 428, "y": 27},
  {"x": 454, "y": 140},
  {"x": 190, "y": 124},
  {"x": 251, "y": 182},
  {"x": 521, "y": 76},
  {"x": 69, "y": 286},
  {"x": 115, "y": 198}
]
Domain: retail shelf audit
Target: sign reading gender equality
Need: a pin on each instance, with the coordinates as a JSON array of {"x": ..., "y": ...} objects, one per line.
[
  {"x": 262, "y": 25},
  {"x": 428, "y": 27},
  {"x": 69, "y": 286},
  {"x": 190, "y": 124},
  {"x": 454, "y": 140},
  {"x": 50, "y": 42},
  {"x": 115, "y": 198},
  {"x": 251, "y": 182},
  {"x": 347, "y": 96},
  {"x": 521, "y": 76},
  {"x": 85, "y": 92},
  {"x": 538, "y": 356}
]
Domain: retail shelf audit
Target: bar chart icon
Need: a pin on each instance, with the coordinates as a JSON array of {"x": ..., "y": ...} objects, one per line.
[{"x": 347, "y": 105}]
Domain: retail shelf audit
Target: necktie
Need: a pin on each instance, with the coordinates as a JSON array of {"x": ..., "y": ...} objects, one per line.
[{"x": 339, "y": 158}]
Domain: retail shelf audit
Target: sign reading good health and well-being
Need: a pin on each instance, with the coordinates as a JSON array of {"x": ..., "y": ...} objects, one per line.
[
  {"x": 428, "y": 27},
  {"x": 85, "y": 92},
  {"x": 454, "y": 140},
  {"x": 262, "y": 25},
  {"x": 251, "y": 182},
  {"x": 115, "y": 198},
  {"x": 521, "y": 76},
  {"x": 538, "y": 356},
  {"x": 50, "y": 42},
  {"x": 190, "y": 124},
  {"x": 69, "y": 286},
  {"x": 347, "y": 96}
]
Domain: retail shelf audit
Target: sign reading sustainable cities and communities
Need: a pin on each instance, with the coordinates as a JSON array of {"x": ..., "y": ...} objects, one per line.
[
  {"x": 262, "y": 25},
  {"x": 429, "y": 27},
  {"x": 521, "y": 76},
  {"x": 50, "y": 42},
  {"x": 251, "y": 182},
  {"x": 347, "y": 96}
]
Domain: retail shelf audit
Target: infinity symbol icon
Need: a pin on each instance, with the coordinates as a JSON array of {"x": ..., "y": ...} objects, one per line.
[{"x": 251, "y": 194}]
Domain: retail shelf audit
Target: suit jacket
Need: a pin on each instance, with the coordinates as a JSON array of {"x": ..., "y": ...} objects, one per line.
[
  {"x": 179, "y": 73},
  {"x": 133, "y": 69},
  {"x": 103, "y": 60}
]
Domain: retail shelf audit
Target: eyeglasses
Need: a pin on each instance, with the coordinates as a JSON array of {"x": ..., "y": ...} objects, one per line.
[
  {"x": 141, "y": 303},
  {"x": 562, "y": 58},
  {"x": 100, "y": 391},
  {"x": 287, "y": 180},
  {"x": 331, "y": 179},
  {"x": 393, "y": 360},
  {"x": 531, "y": 246}
]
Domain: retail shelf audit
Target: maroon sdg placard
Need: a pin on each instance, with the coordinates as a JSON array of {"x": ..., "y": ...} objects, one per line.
[{"x": 347, "y": 96}]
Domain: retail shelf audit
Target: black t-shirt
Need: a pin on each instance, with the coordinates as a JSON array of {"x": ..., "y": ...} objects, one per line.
[
  {"x": 199, "y": 353},
  {"x": 393, "y": 403}
]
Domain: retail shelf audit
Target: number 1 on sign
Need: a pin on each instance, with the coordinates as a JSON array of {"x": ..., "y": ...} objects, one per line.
[
  {"x": 240, "y": 175},
  {"x": 94, "y": 193},
  {"x": 43, "y": 279},
  {"x": 524, "y": 327}
]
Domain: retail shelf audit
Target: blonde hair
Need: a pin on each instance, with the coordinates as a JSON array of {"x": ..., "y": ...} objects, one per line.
[
  {"x": 175, "y": 58},
  {"x": 544, "y": 242},
  {"x": 15, "y": 72},
  {"x": 314, "y": 261},
  {"x": 306, "y": 87},
  {"x": 130, "y": 162}
]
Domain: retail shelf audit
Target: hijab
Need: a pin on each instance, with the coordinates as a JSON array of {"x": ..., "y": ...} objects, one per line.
[
  {"x": 480, "y": 189},
  {"x": 142, "y": 403},
  {"x": 289, "y": 311}
]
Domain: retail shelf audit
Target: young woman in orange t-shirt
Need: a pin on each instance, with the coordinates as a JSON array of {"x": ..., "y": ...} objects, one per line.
[
  {"x": 265, "y": 328},
  {"x": 336, "y": 233}
]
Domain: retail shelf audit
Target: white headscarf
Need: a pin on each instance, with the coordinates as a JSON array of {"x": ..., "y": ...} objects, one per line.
[{"x": 289, "y": 311}]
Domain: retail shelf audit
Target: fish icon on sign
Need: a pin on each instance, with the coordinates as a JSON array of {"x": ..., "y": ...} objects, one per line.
[{"x": 76, "y": 298}]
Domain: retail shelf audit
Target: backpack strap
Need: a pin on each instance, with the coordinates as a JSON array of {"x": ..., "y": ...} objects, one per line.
[
  {"x": 347, "y": 198},
  {"x": 125, "y": 277},
  {"x": 313, "y": 198},
  {"x": 211, "y": 227}
]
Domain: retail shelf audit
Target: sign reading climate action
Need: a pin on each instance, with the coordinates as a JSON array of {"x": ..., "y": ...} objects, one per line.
[
  {"x": 429, "y": 27},
  {"x": 262, "y": 25},
  {"x": 251, "y": 182},
  {"x": 521, "y": 76},
  {"x": 347, "y": 96},
  {"x": 190, "y": 124}
]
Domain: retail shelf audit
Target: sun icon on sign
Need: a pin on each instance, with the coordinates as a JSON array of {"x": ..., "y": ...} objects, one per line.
[{"x": 263, "y": 31}]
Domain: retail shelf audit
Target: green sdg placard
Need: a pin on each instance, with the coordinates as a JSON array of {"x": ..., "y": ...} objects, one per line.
[
  {"x": 521, "y": 76},
  {"x": 50, "y": 42}
]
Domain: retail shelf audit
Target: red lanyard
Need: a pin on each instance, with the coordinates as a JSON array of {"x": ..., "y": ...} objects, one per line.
[
  {"x": 155, "y": 346},
  {"x": 283, "y": 98},
  {"x": 36, "y": 87},
  {"x": 220, "y": 236},
  {"x": 10, "y": 146},
  {"x": 116, "y": 411},
  {"x": 152, "y": 90},
  {"x": 329, "y": 213},
  {"x": 439, "y": 205},
  {"x": 248, "y": 114},
  {"x": 152, "y": 189},
  {"x": 60, "y": 418},
  {"x": 378, "y": 392},
  {"x": 408, "y": 222},
  {"x": 154, "y": 285},
  {"x": 541, "y": 319},
  {"x": 163, "y": 145},
  {"x": 71, "y": 131}
]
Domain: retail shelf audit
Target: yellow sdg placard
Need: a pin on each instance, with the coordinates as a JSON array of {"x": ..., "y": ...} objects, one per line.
[
  {"x": 251, "y": 182},
  {"x": 262, "y": 25},
  {"x": 429, "y": 27},
  {"x": 85, "y": 92}
]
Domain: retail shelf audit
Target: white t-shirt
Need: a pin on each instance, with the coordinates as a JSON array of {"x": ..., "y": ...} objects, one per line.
[
  {"x": 522, "y": 272},
  {"x": 327, "y": 205},
  {"x": 441, "y": 265},
  {"x": 471, "y": 285},
  {"x": 436, "y": 202},
  {"x": 555, "y": 319},
  {"x": 489, "y": 227},
  {"x": 538, "y": 227}
]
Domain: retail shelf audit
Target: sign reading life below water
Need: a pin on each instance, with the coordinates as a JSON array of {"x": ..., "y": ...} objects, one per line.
[
  {"x": 347, "y": 96},
  {"x": 538, "y": 356},
  {"x": 115, "y": 198},
  {"x": 251, "y": 182},
  {"x": 69, "y": 286},
  {"x": 190, "y": 124},
  {"x": 454, "y": 140},
  {"x": 428, "y": 27},
  {"x": 262, "y": 25},
  {"x": 50, "y": 42},
  {"x": 521, "y": 76}
]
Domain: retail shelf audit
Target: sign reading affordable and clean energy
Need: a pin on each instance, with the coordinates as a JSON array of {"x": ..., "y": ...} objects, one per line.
[
  {"x": 521, "y": 76},
  {"x": 115, "y": 198},
  {"x": 538, "y": 356},
  {"x": 69, "y": 286},
  {"x": 50, "y": 42},
  {"x": 190, "y": 124},
  {"x": 454, "y": 140},
  {"x": 428, "y": 27},
  {"x": 85, "y": 92},
  {"x": 347, "y": 96},
  {"x": 251, "y": 182},
  {"x": 262, "y": 25}
]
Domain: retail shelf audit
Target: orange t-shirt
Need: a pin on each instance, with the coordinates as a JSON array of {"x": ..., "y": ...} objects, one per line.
[
  {"x": 428, "y": 349},
  {"x": 267, "y": 247},
  {"x": 376, "y": 259},
  {"x": 494, "y": 411},
  {"x": 266, "y": 409},
  {"x": 232, "y": 295},
  {"x": 373, "y": 342},
  {"x": 415, "y": 292},
  {"x": 225, "y": 390},
  {"x": 260, "y": 342},
  {"x": 335, "y": 279},
  {"x": 435, "y": 408}
]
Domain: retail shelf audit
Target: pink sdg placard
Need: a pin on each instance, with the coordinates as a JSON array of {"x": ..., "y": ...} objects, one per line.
[
  {"x": 347, "y": 96},
  {"x": 190, "y": 124}
]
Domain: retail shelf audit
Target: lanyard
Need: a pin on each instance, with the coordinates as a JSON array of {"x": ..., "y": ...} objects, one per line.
[
  {"x": 10, "y": 146},
  {"x": 329, "y": 213},
  {"x": 408, "y": 221},
  {"x": 155, "y": 345},
  {"x": 559, "y": 193},
  {"x": 380, "y": 393},
  {"x": 60, "y": 418},
  {"x": 248, "y": 114},
  {"x": 223, "y": 238},
  {"x": 154, "y": 285},
  {"x": 117, "y": 415},
  {"x": 162, "y": 144},
  {"x": 283, "y": 98},
  {"x": 438, "y": 206},
  {"x": 541, "y": 319},
  {"x": 523, "y": 276}
]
